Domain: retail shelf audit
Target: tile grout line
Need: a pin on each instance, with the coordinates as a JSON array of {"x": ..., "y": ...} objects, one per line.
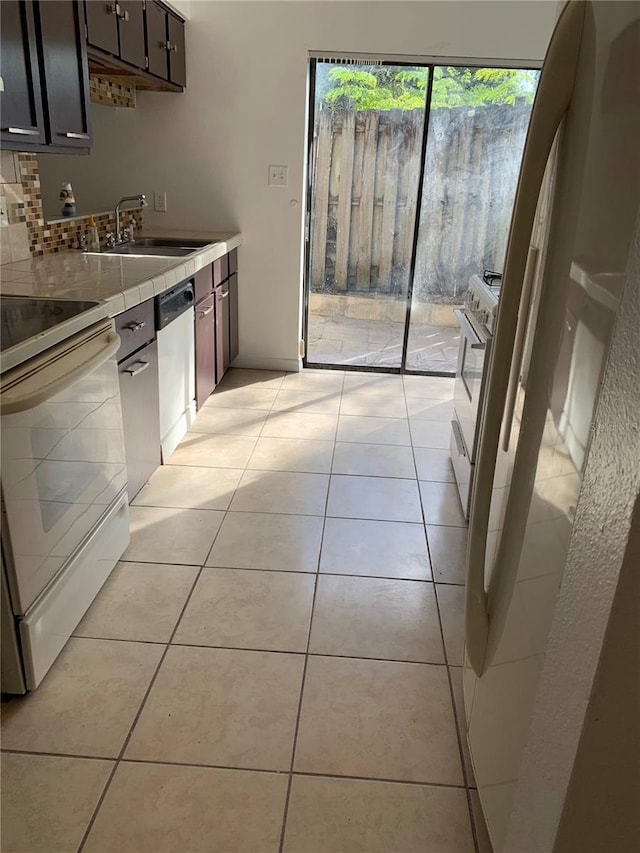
[
  {"x": 233, "y": 768},
  {"x": 291, "y": 571},
  {"x": 287, "y": 800}
]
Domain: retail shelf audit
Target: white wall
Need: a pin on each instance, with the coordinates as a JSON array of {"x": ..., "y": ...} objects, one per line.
[{"x": 244, "y": 108}]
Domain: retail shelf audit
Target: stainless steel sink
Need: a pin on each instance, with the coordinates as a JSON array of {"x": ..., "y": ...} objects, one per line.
[
  {"x": 179, "y": 243},
  {"x": 157, "y": 251},
  {"x": 168, "y": 247}
]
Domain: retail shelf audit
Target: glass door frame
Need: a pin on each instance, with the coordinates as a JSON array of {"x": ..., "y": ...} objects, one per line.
[{"x": 430, "y": 63}]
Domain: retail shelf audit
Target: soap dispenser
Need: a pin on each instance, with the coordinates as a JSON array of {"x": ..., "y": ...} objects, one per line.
[{"x": 93, "y": 239}]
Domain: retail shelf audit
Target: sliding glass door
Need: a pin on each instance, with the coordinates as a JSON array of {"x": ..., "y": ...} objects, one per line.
[
  {"x": 365, "y": 183},
  {"x": 413, "y": 175}
]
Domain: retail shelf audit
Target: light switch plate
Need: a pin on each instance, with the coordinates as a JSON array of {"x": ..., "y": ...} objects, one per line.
[{"x": 278, "y": 176}]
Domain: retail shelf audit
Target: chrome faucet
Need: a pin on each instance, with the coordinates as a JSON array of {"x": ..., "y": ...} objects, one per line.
[{"x": 141, "y": 199}]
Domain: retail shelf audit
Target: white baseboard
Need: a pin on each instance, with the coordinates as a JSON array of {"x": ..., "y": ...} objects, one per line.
[{"x": 294, "y": 365}]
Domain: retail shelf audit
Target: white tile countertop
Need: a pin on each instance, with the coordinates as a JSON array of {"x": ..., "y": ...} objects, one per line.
[{"x": 120, "y": 281}]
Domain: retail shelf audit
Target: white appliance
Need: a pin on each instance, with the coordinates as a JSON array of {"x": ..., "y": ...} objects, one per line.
[
  {"x": 175, "y": 321},
  {"x": 558, "y": 305},
  {"x": 476, "y": 319},
  {"x": 65, "y": 519}
]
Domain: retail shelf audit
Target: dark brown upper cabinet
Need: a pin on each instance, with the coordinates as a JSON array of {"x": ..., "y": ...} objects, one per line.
[
  {"x": 102, "y": 25},
  {"x": 66, "y": 73},
  {"x": 176, "y": 50},
  {"x": 45, "y": 105},
  {"x": 21, "y": 101},
  {"x": 118, "y": 29},
  {"x": 165, "y": 44},
  {"x": 137, "y": 43}
]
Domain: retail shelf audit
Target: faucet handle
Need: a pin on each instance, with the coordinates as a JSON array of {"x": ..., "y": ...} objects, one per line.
[
  {"x": 127, "y": 234},
  {"x": 110, "y": 240},
  {"x": 82, "y": 241}
]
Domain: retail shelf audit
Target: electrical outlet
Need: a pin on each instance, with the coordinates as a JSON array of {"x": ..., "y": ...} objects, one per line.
[
  {"x": 278, "y": 176},
  {"x": 160, "y": 202}
]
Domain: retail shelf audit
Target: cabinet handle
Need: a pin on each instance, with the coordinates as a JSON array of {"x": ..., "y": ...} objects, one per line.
[
  {"x": 23, "y": 131},
  {"x": 124, "y": 16},
  {"x": 223, "y": 295},
  {"x": 206, "y": 311},
  {"x": 134, "y": 371},
  {"x": 135, "y": 327},
  {"x": 113, "y": 9},
  {"x": 69, "y": 135},
  {"x": 168, "y": 46}
]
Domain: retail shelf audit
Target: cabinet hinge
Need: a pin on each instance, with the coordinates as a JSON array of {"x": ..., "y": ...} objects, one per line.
[
  {"x": 86, "y": 31},
  {"x": 146, "y": 62},
  {"x": 144, "y": 5},
  {"x": 307, "y": 226}
]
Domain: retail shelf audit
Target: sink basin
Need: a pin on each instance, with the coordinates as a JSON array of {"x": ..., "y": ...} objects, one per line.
[
  {"x": 179, "y": 243},
  {"x": 157, "y": 251},
  {"x": 165, "y": 247}
]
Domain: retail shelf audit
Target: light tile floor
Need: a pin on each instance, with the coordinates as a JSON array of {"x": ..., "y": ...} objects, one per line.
[{"x": 275, "y": 664}]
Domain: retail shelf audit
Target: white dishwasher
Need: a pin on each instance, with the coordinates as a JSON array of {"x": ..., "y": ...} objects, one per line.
[{"x": 176, "y": 364}]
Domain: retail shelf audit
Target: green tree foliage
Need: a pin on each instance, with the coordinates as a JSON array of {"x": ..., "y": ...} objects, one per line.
[{"x": 393, "y": 88}]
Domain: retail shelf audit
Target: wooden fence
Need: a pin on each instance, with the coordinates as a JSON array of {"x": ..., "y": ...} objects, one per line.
[{"x": 365, "y": 200}]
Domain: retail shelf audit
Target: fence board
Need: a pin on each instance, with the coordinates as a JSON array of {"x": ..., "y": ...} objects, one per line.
[
  {"x": 365, "y": 214},
  {"x": 343, "y": 224},
  {"x": 322, "y": 174},
  {"x": 389, "y": 202}
]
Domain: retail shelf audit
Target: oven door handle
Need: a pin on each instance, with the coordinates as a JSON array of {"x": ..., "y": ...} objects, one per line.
[
  {"x": 468, "y": 331},
  {"x": 12, "y": 401}
]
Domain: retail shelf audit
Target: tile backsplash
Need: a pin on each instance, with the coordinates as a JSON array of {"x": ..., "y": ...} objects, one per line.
[
  {"x": 23, "y": 230},
  {"x": 112, "y": 94}
]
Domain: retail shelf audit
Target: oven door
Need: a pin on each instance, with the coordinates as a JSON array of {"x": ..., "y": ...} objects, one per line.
[
  {"x": 63, "y": 460},
  {"x": 472, "y": 357}
]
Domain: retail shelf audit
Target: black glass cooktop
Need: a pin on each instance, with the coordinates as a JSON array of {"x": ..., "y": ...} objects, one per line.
[{"x": 22, "y": 317}]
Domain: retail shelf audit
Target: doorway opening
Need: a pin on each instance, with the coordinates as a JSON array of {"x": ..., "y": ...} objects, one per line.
[{"x": 412, "y": 178}]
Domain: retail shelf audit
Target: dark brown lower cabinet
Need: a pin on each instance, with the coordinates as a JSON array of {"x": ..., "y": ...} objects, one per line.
[
  {"x": 223, "y": 352},
  {"x": 140, "y": 415},
  {"x": 205, "y": 332},
  {"x": 234, "y": 345}
]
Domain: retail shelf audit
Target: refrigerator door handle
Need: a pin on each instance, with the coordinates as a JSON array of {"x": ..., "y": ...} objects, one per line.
[
  {"x": 516, "y": 364},
  {"x": 551, "y": 102}
]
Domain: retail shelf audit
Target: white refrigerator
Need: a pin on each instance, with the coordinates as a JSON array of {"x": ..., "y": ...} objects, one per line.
[{"x": 571, "y": 236}]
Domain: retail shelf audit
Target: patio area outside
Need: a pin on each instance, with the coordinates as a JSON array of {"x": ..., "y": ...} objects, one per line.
[{"x": 358, "y": 341}]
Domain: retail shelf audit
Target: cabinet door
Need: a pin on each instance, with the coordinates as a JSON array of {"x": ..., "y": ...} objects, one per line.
[
  {"x": 131, "y": 26},
  {"x": 102, "y": 25},
  {"x": 66, "y": 73},
  {"x": 156, "y": 23},
  {"x": 234, "y": 345},
  {"x": 177, "y": 67},
  {"x": 220, "y": 270},
  {"x": 222, "y": 330},
  {"x": 140, "y": 415},
  {"x": 21, "y": 100},
  {"x": 205, "y": 349}
]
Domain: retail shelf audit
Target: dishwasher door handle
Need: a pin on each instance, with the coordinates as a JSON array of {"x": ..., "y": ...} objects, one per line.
[{"x": 135, "y": 370}]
